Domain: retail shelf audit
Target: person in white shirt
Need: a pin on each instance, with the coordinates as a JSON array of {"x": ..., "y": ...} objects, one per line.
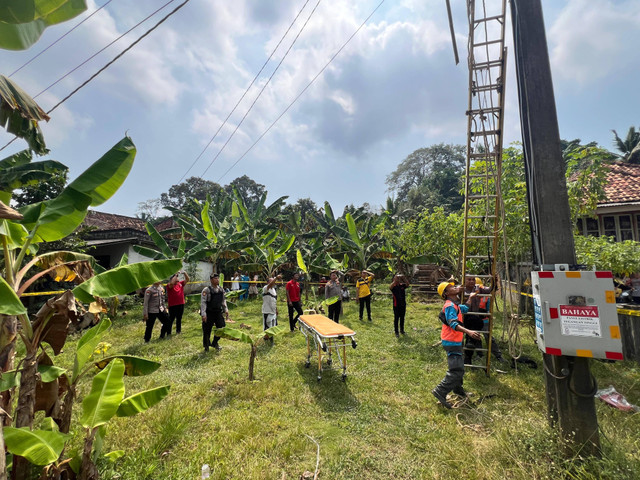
[
  {"x": 235, "y": 282},
  {"x": 270, "y": 303}
]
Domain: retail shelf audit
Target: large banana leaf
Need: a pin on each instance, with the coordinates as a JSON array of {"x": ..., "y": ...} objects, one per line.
[
  {"x": 40, "y": 447},
  {"x": 133, "y": 366},
  {"x": 286, "y": 245},
  {"x": 87, "y": 344},
  {"x": 233, "y": 334},
  {"x": 126, "y": 279},
  {"x": 10, "y": 304},
  {"x": 328, "y": 214},
  {"x": 147, "y": 252},
  {"x": 9, "y": 380},
  {"x": 32, "y": 173},
  {"x": 301, "y": 263},
  {"x": 107, "y": 392},
  {"x": 142, "y": 401},
  {"x": 206, "y": 223},
  {"x": 59, "y": 217},
  {"x": 23, "y": 21},
  {"x": 353, "y": 231},
  {"x": 275, "y": 330},
  {"x": 48, "y": 373},
  {"x": 159, "y": 240},
  {"x": 19, "y": 113}
]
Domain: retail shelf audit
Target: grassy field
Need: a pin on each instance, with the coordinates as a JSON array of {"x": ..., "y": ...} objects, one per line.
[{"x": 382, "y": 423}]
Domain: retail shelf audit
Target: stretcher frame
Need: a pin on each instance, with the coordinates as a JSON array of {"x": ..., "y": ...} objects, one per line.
[{"x": 326, "y": 343}]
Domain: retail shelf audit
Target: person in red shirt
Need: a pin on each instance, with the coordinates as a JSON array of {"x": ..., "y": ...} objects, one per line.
[
  {"x": 293, "y": 300},
  {"x": 175, "y": 297}
]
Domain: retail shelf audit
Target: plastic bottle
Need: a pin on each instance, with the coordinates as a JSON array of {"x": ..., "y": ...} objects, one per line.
[{"x": 206, "y": 471}]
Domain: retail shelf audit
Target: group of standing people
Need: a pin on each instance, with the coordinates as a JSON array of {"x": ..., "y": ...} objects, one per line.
[{"x": 155, "y": 301}]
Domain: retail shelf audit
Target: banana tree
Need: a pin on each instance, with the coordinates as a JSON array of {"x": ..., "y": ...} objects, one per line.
[
  {"x": 261, "y": 220},
  {"x": 267, "y": 258},
  {"x": 56, "y": 383},
  {"x": 255, "y": 342},
  {"x": 365, "y": 242}
]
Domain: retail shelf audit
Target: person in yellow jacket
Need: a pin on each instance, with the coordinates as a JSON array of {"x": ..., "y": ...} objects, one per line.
[
  {"x": 363, "y": 292},
  {"x": 452, "y": 334}
]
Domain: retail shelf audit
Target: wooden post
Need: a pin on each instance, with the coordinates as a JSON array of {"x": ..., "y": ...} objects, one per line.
[{"x": 568, "y": 379}]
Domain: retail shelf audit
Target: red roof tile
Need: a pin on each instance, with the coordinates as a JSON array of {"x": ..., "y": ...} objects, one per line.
[
  {"x": 623, "y": 183},
  {"x": 111, "y": 221}
]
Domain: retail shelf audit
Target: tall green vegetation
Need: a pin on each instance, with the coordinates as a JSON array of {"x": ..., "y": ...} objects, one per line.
[
  {"x": 21, "y": 236},
  {"x": 430, "y": 177}
]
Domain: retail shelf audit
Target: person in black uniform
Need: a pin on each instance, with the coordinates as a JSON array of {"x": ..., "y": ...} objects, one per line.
[{"x": 212, "y": 307}]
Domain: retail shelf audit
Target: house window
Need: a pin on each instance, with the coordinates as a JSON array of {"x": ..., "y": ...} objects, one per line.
[
  {"x": 589, "y": 226},
  {"x": 619, "y": 227}
]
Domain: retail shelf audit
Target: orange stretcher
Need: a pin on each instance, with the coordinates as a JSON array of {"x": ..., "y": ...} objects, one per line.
[{"x": 327, "y": 336}]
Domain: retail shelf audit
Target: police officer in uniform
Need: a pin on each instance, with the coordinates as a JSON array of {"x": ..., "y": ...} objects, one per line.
[
  {"x": 212, "y": 307},
  {"x": 154, "y": 308}
]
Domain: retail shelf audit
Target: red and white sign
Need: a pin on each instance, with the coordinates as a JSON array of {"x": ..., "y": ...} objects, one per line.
[{"x": 580, "y": 320}]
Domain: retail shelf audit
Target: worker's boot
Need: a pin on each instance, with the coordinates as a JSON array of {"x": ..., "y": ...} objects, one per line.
[{"x": 441, "y": 398}]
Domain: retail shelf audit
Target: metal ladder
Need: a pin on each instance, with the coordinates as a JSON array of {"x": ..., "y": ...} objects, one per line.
[{"x": 483, "y": 201}]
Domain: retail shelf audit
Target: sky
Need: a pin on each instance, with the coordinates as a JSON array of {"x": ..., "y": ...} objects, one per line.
[{"x": 394, "y": 88}]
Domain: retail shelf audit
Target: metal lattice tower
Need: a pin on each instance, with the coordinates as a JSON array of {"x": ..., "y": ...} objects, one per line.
[{"x": 483, "y": 201}]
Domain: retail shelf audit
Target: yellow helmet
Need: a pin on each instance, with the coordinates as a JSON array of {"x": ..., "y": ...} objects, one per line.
[
  {"x": 479, "y": 282},
  {"x": 442, "y": 287}
]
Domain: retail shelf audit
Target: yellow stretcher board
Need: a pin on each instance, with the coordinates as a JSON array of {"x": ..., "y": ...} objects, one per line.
[{"x": 329, "y": 337}]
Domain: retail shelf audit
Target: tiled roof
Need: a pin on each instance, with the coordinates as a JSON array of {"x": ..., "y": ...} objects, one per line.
[
  {"x": 111, "y": 221},
  {"x": 623, "y": 183},
  {"x": 166, "y": 224}
]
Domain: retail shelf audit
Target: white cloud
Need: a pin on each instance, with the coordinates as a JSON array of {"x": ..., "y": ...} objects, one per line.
[{"x": 593, "y": 39}]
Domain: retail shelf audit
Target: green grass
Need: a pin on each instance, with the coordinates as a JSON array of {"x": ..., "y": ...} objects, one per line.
[{"x": 382, "y": 423}]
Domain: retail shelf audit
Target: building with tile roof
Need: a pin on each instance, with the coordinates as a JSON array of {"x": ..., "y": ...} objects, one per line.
[
  {"x": 111, "y": 236},
  {"x": 618, "y": 215}
]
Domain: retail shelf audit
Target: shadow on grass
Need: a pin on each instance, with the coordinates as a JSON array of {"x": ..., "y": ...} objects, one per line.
[{"x": 332, "y": 393}]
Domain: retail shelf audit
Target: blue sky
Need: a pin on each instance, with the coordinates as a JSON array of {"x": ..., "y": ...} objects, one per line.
[{"x": 393, "y": 89}]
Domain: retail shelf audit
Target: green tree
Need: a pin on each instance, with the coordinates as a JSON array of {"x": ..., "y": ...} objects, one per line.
[
  {"x": 430, "y": 177},
  {"x": 41, "y": 191},
  {"x": 629, "y": 148},
  {"x": 193, "y": 188},
  {"x": 250, "y": 191}
]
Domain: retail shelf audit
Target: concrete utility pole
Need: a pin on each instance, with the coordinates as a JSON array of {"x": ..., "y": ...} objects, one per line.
[{"x": 569, "y": 383}]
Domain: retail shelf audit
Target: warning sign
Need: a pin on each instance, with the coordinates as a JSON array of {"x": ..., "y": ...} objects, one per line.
[{"x": 580, "y": 320}]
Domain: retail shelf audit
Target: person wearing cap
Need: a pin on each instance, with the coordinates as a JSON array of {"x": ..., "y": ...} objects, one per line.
[
  {"x": 479, "y": 303},
  {"x": 213, "y": 309},
  {"x": 452, "y": 333},
  {"x": 175, "y": 296},
  {"x": 154, "y": 308},
  {"x": 363, "y": 292}
]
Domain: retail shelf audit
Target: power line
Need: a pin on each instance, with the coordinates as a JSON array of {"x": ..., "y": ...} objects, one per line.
[
  {"x": 67, "y": 33},
  {"x": 104, "y": 48},
  {"x": 112, "y": 61},
  {"x": 121, "y": 53},
  {"x": 263, "y": 88},
  {"x": 303, "y": 90},
  {"x": 245, "y": 92}
]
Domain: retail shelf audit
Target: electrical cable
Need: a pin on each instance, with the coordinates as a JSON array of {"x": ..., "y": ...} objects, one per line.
[
  {"x": 111, "y": 62},
  {"x": 302, "y": 91},
  {"x": 60, "y": 38},
  {"x": 104, "y": 48},
  {"x": 245, "y": 92},
  {"x": 262, "y": 89},
  {"x": 120, "y": 54}
]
